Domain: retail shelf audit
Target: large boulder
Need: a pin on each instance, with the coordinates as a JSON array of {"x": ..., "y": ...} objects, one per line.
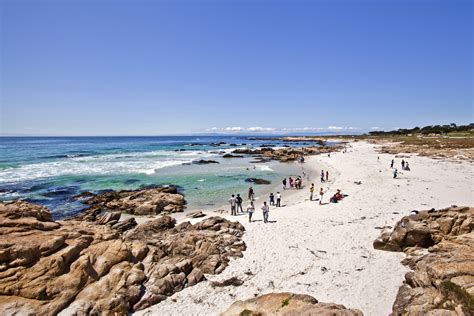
[
  {"x": 287, "y": 304},
  {"x": 147, "y": 201},
  {"x": 77, "y": 267},
  {"x": 440, "y": 250}
]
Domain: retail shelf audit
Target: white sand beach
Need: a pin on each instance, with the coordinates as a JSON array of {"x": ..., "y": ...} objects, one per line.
[{"x": 326, "y": 250}]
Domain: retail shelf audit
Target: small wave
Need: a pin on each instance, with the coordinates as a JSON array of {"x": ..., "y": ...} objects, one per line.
[
  {"x": 201, "y": 180},
  {"x": 87, "y": 167},
  {"x": 264, "y": 168}
]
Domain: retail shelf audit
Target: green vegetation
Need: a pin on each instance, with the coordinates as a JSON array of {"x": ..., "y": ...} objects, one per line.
[
  {"x": 458, "y": 294},
  {"x": 285, "y": 302},
  {"x": 246, "y": 312},
  {"x": 451, "y": 130}
]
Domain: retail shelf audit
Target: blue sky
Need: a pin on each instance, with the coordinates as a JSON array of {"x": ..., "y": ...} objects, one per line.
[{"x": 161, "y": 67}]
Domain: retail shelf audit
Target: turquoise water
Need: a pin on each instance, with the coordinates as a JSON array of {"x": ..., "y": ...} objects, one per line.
[{"x": 51, "y": 170}]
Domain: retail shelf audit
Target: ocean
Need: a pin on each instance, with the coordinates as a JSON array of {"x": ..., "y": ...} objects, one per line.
[{"x": 51, "y": 170}]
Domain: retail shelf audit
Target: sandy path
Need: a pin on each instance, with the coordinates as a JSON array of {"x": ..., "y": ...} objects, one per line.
[{"x": 326, "y": 251}]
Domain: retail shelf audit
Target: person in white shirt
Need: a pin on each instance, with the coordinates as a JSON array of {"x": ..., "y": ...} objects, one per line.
[
  {"x": 278, "y": 197},
  {"x": 265, "y": 209},
  {"x": 233, "y": 203},
  {"x": 250, "y": 210}
]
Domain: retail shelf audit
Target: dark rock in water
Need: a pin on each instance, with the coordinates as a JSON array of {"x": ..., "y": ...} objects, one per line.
[
  {"x": 60, "y": 192},
  {"x": 84, "y": 268},
  {"x": 257, "y": 181},
  {"x": 182, "y": 149},
  {"x": 83, "y": 196},
  {"x": 131, "y": 181},
  {"x": 204, "y": 162},
  {"x": 233, "y": 145},
  {"x": 217, "y": 144},
  {"x": 232, "y": 156}
]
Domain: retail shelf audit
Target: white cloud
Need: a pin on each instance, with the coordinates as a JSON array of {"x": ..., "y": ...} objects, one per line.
[
  {"x": 257, "y": 129},
  {"x": 375, "y": 127},
  {"x": 242, "y": 129}
]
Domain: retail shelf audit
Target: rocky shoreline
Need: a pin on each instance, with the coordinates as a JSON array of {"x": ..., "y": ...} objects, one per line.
[
  {"x": 440, "y": 252},
  {"x": 93, "y": 267}
]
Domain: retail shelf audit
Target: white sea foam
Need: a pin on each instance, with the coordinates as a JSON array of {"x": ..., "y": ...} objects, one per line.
[
  {"x": 113, "y": 164},
  {"x": 264, "y": 168}
]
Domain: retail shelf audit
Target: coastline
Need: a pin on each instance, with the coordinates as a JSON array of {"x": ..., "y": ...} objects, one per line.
[{"x": 326, "y": 251}]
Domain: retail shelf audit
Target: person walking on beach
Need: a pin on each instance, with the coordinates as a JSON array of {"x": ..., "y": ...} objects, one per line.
[
  {"x": 322, "y": 176},
  {"x": 232, "y": 203},
  {"x": 395, "y": 173},
  {"x": 284, "y": 184},
  {"x": 311, "y": 191},
  {"x": 321, "y": 193},
  {"x": 278, "y": 196},
  {"x": 403, "y": 164},
  {"x": 238, "y": 202},
  {"x": 327, "y": 176},
  {"x": 251, "y": 194},
  {"x": 272, "y": 199},
  {"x": 265, "y": 210},
  {"x": 250, "y": 210},
  {"x": 391, "y": 165}
]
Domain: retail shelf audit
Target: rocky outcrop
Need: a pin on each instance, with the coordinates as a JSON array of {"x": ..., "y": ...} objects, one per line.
[
  {"x": 287, "y": 304},
  {"x": 148, "y": 201},
  {"x": 440, "y": 250},
  {"x": 257, "y": 181},
  {"x": 232, "y": 156},
  {"x": 287, "y": 154},
  {"x": 81, "y": 267}
]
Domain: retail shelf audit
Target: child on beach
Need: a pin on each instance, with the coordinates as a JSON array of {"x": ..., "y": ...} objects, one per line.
[
  {"x": 291, "y": 182},
  {"x": 250, "y": 210},
  {"x": 321, "y": 193},
  {"x": 284, "y": 184},
  {"x": 272, "y": 199},
  {"x": 395, "y": 173},
  {"x": 327, "y": 175},
  {"x": 265, "y": 210},
  {"x": 311, "y": 191},
  {"x": 322, "y": 176},
  {"x": 278, "y": 196}
]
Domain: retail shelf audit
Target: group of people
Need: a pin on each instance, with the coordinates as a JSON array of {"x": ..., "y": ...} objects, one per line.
[
  {"x": 293, "y": 183},
  {"x": 236, "y": 204},
  {"x": 334, "y": 199},
  {"x": 405, "y": 166},
  {"x": 324, "y": 179},
  {"x": 311, "y": 193}
]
